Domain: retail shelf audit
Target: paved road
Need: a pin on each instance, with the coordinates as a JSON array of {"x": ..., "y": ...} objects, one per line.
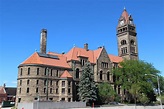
[{"x": 117, "y": 107}]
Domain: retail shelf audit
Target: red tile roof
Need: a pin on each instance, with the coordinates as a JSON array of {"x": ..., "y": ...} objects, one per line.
[
  {"x": 2, "y": 90},
  {"x": 75, "y": 52},
  {"x": 125, "y": 15},
  {"x": 36, "y": 59},
  {"x": 66, "y": 74},
  {"x": 115, "y": 59}
]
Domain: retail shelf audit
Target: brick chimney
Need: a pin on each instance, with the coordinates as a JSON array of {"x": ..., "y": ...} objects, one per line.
[
  {"x": 43, "y": 41},
  {"x": 86, "y": 46}
]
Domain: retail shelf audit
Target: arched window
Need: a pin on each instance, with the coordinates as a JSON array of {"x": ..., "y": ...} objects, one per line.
[
  {"x": 108, "y": 76},
  {"x": 101, "y": 75},
  {"x": 132, "y": 42},
  {"x": 77, "y": 73},
  {"x": 123, "y": 42}
]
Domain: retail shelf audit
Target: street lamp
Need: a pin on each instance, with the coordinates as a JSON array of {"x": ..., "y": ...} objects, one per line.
[{"x": 159, "y": 92}]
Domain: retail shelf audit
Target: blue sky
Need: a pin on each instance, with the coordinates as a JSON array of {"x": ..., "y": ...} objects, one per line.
[{"x": 75, "y": 22}]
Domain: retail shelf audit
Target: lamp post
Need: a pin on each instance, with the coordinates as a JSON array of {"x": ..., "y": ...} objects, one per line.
[{"x": 159, "y": 91}]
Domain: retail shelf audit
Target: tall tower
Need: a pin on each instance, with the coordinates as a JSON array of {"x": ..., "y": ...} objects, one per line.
[
  {"x": 43, "y": 41},
  {"x": 127, "y": 37}
]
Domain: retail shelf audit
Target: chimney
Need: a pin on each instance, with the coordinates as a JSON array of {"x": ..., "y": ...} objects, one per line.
[
  {"x": 43, "y": 41},
  {"x": 86, "y": 46}
]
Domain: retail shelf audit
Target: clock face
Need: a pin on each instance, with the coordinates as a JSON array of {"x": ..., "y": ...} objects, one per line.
[{"x": 122, "y": 22}]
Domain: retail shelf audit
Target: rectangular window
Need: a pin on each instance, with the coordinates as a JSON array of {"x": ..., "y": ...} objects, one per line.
[
  {"x": 37, "y": 71},
  {"x": 19, "y": 90},
  {"x": 45, "y": 82},
  {"x": 69, "y": 99},
  {"x": 20, "y": 82},
  {"x": 27, "y": 90},
  {"x": 69, "y": 83},
  {"x": 19, "y": 100},
  {"x": 63, "y": 90},
  {"x": 36, "y": 90},
  {"x": 51, "y": 72},
  {"x": 28, "y": 81},
  {"x": 28, "y": 73},
  {"x": 44, "y": 90},
  {"x": 56, "y": 83},
  {"x": 56, "y": 91},
  {"x": 51, "y": 91},
  {"x": 63, "y": 83},
  {"x": 45, "y": 71},
  {"x": 21, "y": 72},
  {"x": 69, "y": 91},
  {"x": 37, "y": 82},
  {"x": 63, "y": 99},
  {"x": 51, "y": 83},
  {"x": 57, "y": 73}
]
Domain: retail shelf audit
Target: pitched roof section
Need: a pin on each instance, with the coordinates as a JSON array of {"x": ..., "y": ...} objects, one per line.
[
  {"x": 66, "y": 74},
  {"x": 125, "y": 15},
  {"x": 44, "y": 60},
  {"x": 75, "y": 52},
  {"x": 115, "y": 59},
  {"x": 2, "y": 90}
]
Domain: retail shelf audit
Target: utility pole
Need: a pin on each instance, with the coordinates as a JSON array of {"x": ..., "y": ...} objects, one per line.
[{"x": 159, "y": 91}]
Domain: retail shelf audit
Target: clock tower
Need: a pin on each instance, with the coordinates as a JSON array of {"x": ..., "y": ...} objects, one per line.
[{"x": 127, "y": 37}]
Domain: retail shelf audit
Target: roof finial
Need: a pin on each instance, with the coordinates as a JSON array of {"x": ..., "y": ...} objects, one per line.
[{"x": 124, "y": 8}]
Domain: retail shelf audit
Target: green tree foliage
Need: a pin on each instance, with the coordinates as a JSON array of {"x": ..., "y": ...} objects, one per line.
[
  {"x": 106, "y": 92},
  {"x": 143, "y": 99},
  {"x": 131, "y": 76},
  {"x": 161, "y": 81},
  {"x": 87, "y": 90}
]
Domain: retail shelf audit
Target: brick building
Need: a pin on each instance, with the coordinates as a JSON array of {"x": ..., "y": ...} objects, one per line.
[{"x": 53, "y": 76}]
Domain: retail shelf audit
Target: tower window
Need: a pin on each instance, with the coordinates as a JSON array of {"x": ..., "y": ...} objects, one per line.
[
  {"x": 37, "y": 82},
  {"x": 124, "y": 50},
  {"x": 27, "y": 91},
  {"x": 37, "y": 71},
  {"x": 28, "y": 73},
  {"x": 77, "y": 73},
  {"x": 51, "y": 72},
  {"x": 57, "y": 73},
  {"x": 123, "y": 42},
  {"x": 132, "y": 42},
  {"x": 37, "y": 90},
  {"x": 132, "y": 49},
  {"x": 28, "y": 81},
  {"x": 20, "y": 82},
  {"x": 21, "y": 72},
  {"x": 19, "y": 90}
]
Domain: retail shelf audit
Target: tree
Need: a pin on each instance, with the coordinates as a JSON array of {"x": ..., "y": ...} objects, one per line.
[
  {"x": 131, "y": 76},
  {"x": 87, "y": 88},
  {"x": 106, "y": 92}
]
